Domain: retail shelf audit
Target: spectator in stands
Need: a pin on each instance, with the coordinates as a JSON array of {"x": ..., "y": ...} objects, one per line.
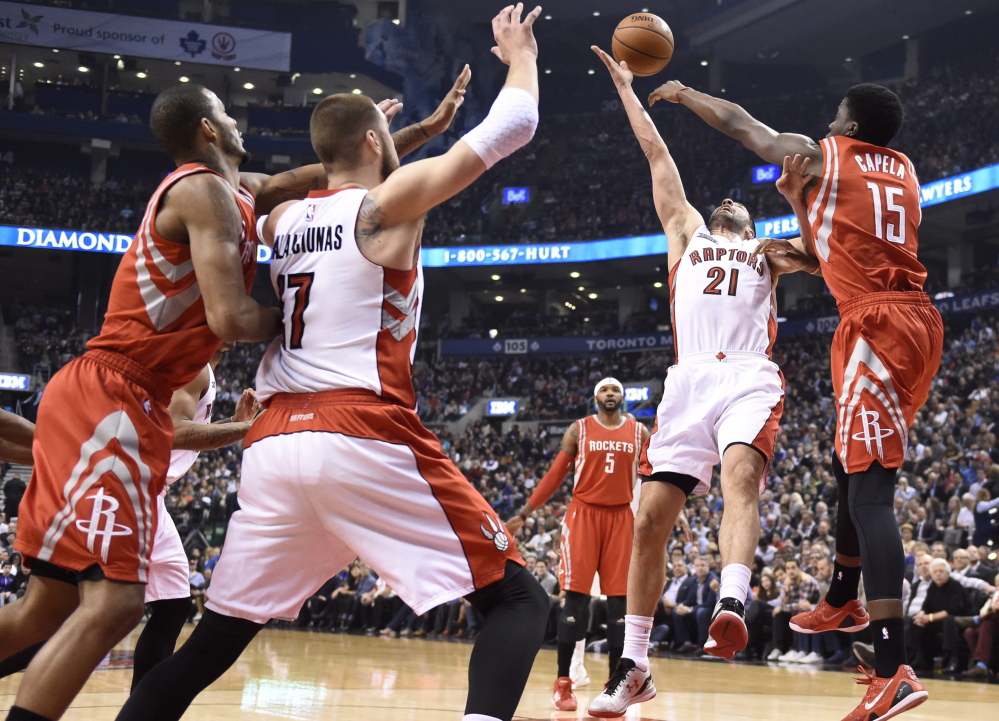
[
  {"x": 983, "y": 528},
  {"x": 198, "y": 585},
  {"x": 677, "y": 576},
  {"x": 933, "y": 628},
  {"x": 692, "y": 614},
  {"x": 545, "y": 577},
  {"x": 759, "y": 619},
  {"x": 8, "y": 585},
  {"x": 981, "y": 637},
  {"x": 799, "y": 592}
]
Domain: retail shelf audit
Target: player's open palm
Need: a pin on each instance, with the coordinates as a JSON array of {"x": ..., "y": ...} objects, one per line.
[
  {"x": 514, "y": 525},
  {"x": 391, "y": 107},
  {"x": 247, "y": 407},
  {"x": 794, "y": 177},
  {"x": 441, "y": 118},
  {"x": 619, "y": 71},
  {"x": 514, "y": 35}
]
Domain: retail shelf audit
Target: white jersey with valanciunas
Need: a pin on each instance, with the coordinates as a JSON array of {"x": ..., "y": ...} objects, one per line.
[
  {"x": 723, "y": 298},
  {"x": 181, "y": 461},
  {"x": 348, "y": 323}
]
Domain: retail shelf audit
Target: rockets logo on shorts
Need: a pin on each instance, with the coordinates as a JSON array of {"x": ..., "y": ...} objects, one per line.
[
  {"x": 102, "y": 523},
  {"x": 497, "y": 536},
  {"x": 872, "y": 431}
]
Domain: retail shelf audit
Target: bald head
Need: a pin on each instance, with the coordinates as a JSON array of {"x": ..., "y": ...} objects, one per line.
[{"x": 339, "y": 130}]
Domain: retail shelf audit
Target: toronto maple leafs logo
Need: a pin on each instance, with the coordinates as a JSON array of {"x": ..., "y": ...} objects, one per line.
[
  {"x": 193, "y": 44},
  {"x": 29, "y": 21},
  {"x": 497, "y": 536}
]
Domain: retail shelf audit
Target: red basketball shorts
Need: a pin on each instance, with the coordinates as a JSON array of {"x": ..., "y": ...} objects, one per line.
[
  {"x": 596, "y": 539},
  {"x": 884, "y": 355},
  {"x": 328, "y": 477},
  {"x": 102, "y": 448}
]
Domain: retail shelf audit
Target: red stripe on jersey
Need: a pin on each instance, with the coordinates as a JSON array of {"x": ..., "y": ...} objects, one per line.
[{"x": 398, "y": 334}]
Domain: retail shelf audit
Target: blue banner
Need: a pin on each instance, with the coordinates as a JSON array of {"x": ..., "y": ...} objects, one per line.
[
  {"x": 940, "y": 191},
  {"x": 14, "y": 382}
]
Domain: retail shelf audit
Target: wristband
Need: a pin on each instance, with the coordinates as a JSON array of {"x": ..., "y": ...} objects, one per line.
[
  {"x": 523, "y": 516},
  {"x": 680, "y": 91}
]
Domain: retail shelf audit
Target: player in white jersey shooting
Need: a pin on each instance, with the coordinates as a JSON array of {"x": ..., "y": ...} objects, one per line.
[
  {"x": 340, "y": 466},
  {"x": 722, "y": 401},
  {"x": 168, "y": 590}
]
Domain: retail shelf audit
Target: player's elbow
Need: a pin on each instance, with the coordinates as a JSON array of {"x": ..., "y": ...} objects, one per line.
[{"x": 226, "y": 324}]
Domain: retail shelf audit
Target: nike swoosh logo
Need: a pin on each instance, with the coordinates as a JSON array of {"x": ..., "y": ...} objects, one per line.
[{"x": 872, "y": 704}]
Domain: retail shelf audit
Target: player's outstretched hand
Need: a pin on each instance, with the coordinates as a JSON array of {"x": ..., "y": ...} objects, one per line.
[
  {"x": 247, "y": 407},
  {"x": 515, "y": 36},
  {"x": 441, "y": 118},
  {"x": 514, "y": 525},
  {"x": 619, "y": 71},
  {"x": 794, "y": 177},
  {"x": 786, "y": 256},
  {"x": 391, "y": 108},
  {"x": 668, "y": 92}
]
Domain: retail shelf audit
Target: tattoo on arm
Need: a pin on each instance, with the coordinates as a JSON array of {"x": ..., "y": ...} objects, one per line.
[
  {"x": 410, "y": 138},
  {"x": 369, "y": 220},
  {"x": 226, "y": 211},
  {"x": 297, "y": 193}
]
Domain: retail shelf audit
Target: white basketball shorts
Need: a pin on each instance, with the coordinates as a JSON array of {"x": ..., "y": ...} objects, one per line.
[
  {"x": 168, "y": 572},
  {"x": 331, "y": 476},
  {"x": 710, "y": 403}
]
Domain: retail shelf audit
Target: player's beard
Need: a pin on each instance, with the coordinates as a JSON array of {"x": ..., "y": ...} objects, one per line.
[
  {"x": 232, "y": 147},
  {"x": 612, "y": 402},
  {"x": 726, "y": 221}
]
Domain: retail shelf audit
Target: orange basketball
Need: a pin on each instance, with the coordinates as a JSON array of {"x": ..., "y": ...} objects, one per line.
[{"x": 644, "y": 41}]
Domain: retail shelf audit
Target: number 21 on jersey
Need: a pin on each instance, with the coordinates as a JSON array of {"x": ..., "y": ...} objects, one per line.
[{"x": 883, "y": 227}]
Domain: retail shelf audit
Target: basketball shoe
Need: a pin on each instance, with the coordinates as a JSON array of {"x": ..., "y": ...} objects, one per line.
[
  {"x": 727, "y": 634},
  {"x": 627, "y": 685},
  {"x": 563, "y": 699},
  {"x": 851, "y": 617},
  {"x": 888, "y": 697}
]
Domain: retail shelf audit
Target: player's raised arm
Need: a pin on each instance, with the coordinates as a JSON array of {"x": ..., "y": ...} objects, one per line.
[
  {"x": 206, "y": 208},
  {"x": 411, "y": 191},
  {"x": 735, "y": 122},
  {"x": 16, "y": 436},
  {"x": 679, "y": 218},
  {"x": 787, "y": 256},
  {"x": 552, "y": 480},
  {"x": 272, "y": 190}
]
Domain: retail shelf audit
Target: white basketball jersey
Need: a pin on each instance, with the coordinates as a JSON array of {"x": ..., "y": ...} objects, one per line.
[
  {"x": 181, "y": 461},
  {"x": 348, "y": 323},
  {"x": 723, "y": 298}
]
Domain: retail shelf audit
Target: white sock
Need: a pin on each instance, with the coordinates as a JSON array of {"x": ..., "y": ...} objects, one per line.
[
  {"x": 637, "y": 630},
  {"x": 735, "y": 582},
  {"x": 578, "y": 652},
  {"x": 478, "y": 717}
]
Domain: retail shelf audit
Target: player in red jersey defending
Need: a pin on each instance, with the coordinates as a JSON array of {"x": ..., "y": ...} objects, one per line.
[
  {"x": 860, "y": 218},
  {"x": 102, "y": 447},
  {"x": 602, "y": 450}
]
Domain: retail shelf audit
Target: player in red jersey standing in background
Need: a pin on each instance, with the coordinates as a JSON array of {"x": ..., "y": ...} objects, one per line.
[
  {"x": 602, "y": 451},
  {"x": 103, "y": 445},
  {"x": 860, "y": 218}
]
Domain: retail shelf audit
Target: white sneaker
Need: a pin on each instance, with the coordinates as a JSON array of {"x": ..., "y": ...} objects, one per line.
[
  {"x": 813, "y": 657},
  {"x": 627, "y": 685},
  {"x": 577, "y": 672},
  {"x": 774, "y": 655},
  {"x": 791, "y": 656}
]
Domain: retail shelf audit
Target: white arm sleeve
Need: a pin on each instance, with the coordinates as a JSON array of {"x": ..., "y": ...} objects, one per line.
[{"x": 509, "y": 126}]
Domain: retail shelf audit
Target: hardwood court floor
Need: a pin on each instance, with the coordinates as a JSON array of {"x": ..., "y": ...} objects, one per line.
[{"x": 312, "y": 676}]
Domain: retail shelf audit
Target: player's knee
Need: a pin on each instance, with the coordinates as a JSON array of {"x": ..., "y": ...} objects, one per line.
[
  {"x": 115, "y": 614},
  {"x": 649, "y": 528}
]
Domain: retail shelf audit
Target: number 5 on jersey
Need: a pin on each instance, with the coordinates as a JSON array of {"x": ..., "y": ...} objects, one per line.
[{"x": 302, "y": 283}]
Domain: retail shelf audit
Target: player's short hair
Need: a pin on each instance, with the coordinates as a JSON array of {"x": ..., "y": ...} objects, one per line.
[
  {"x": 176, "y": 116},
  {"x": 877, "y": 110},
  {"x": 338, "y": 125}
]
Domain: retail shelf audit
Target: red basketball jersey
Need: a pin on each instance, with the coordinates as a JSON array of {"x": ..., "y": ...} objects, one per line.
[
  {"x": 606, "y": 462},
  {"x": 864, "y": 213},
  {"x": 156, "y": 315}
]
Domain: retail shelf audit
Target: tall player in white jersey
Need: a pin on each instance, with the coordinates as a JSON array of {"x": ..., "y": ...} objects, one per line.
[
  {"x": 339, "y": 465},
  {"x": 722, "y": 401},
  {"x": 168, "y": 589}
]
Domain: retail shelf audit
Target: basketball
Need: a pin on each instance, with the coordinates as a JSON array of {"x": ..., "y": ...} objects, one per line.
[{"x": 645, "y": 42}]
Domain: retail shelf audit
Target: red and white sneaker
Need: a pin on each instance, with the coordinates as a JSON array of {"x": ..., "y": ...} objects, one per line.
[
  {"x": 627, "y": 685},
  {"x": 888, "y": 697},
  {"x": 727, "y": 634},
  {"x": 563, "y": 699},
  {"x": 850, "y": 618}
]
